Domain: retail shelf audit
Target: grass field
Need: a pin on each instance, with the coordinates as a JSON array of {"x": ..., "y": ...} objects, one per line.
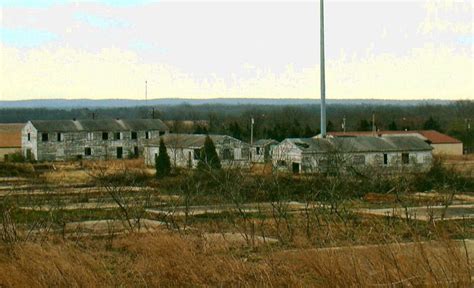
[{"x": 113, "y": 224}]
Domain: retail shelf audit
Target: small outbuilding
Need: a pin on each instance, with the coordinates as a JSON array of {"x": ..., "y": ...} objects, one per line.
[
  {"x": 321, "y": 155},
  {"x": 261, "y": 150},
  {"x": 184, "y": 150}
]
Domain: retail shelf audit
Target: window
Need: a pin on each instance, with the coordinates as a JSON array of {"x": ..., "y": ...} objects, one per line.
[
  {"x": 197, "y": 154},
  {"x": 405, "y": 158},
  {"x": 258, "y": 150},
  {"x": 147, "y": 135},
  {"x": 118, "y": 136},
  {"x": 88, "y": 151},
  {"x": 105, "y": 136},
  {"x": 358, "y": 160},
  {"x": 134, "y": 135},
  {"x": 162, "y": 133},
  {"x": 385, "y": 159},
  {"x": 227, "y": 155},
  {"x": 44, "y": 137},
  {"x": 281, "y": 163},
  {"x": 29, "y": 136},
  {"x": 90, "y": 136},
  {"x": 60, "y": 137}
]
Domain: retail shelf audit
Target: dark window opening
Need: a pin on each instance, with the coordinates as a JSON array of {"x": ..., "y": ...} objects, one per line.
[
  {"x": 29, "y": 137},
  {"x": 258, "y": 150},
  {"x": 105, "y": 136},
  {"x": 88, "y": 151},
  {"x": 405, "y": 158},
  {"x": 60, "y": 137},
  {"x": 162, "y": 133},
  {"x": 197, "y": 154},
  {"x": 385, "y": 159},
  {"x": 44, "y": 137},
  {"x": 147, "y": 135},
  {"x": 117, "y": 136},
  {"x": 134, "y": 135}
]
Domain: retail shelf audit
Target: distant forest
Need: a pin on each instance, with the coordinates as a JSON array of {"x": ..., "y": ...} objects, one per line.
[{"x": 278, "y": 122}]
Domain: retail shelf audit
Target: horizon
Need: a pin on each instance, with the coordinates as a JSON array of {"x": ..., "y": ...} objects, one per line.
[{"x": 106, "y": 50}]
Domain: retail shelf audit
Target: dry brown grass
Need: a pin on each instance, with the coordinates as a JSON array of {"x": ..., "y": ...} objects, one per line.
[{"x": 168, "y": 260}]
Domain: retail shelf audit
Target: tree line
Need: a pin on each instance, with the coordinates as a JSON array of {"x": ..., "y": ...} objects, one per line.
[{"x": 279, "y": 122}]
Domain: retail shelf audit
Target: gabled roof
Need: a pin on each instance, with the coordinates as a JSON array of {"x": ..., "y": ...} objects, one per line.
[
  {"x": 360, "y": 144},
  {"x": 265, "y": 142},
  {"x": 192, "y": 140},
  {"x": 433, "y": 136},
  {"x": 99, "y": 125},
  {"x": 10, "y": 135}
]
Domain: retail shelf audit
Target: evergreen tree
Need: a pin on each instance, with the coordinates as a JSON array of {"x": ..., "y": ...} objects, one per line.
[
  {"x": 393, "y": 126},
  {"x": 235, "y": 131},
  {"x": 162, "y": 161},
  {"x": 209, "y": 158},
  {"x": 431, "y": 124}
]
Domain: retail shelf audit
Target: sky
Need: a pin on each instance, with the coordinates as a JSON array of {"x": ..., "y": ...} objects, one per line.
[{"x": 235, "y": 49}]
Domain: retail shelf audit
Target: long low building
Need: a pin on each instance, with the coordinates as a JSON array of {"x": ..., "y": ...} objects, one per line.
[
  {"x": 442, "y": 144},
  {"x": 321, "y": 155},
  {"x": 184, "y": 150},
  {"x": 88, "y": 139}
]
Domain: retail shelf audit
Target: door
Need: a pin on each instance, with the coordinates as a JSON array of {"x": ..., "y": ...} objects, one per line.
[
  {"x": 296, "y": 168},
  {"x": 119, "y": 152}
]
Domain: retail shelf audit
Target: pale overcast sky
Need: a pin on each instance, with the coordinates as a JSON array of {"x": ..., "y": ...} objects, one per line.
[{"x": 264, "y": 49}]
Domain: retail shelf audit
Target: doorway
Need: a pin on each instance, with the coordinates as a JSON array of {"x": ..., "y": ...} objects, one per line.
[
  {"x": 119, "y": 152},
  {"x": 296, "y": 168}
]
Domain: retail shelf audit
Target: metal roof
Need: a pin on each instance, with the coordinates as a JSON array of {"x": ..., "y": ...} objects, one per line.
[
  {"x": 99, "y": 125},
  {"x": 433, "y": 136},
  {"x": 360, "y": 144},
  {"x": 264, "y": 142},
  {"x": 192, "y": 140}
]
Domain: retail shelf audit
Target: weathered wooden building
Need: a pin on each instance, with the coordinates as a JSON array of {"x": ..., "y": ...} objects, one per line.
[
  {"x": 315, "y": 155},
  {"x": 88, "y": 139},
  {"x": 184, "y": 150},
  {"x": 261, "y": 150},
  {"x": 442, "y": 144}
]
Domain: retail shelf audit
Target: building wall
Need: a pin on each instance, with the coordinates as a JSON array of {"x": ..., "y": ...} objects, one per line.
[
  {"x": 285, "y": 155},
  {"x": 29, "y": 145},
  {"x": 448, "y": 149},
  {"x": 73, "y": 144},
  {"x": 185, "y": 157}
]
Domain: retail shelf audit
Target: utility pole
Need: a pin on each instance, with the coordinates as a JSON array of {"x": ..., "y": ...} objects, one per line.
[
  {"x": 252, "y": 121},
  {"x": 323, "y": 78},
  {"x": 344, "y": 123},
  {"x": 146, "y": 93},
  {"x": 373, "y": 123}
]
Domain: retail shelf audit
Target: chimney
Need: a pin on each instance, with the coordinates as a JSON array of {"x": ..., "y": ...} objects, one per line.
[{"x": 323, "y": 79}]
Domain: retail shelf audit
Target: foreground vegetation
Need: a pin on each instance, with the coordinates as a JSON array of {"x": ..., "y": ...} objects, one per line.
[{"x": 228, "y": 227}]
